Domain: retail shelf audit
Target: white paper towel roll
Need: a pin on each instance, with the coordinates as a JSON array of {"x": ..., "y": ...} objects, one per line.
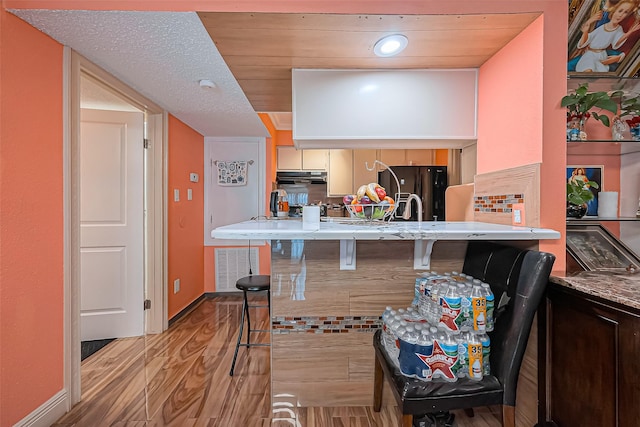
[
  {"x": 311, "y": 217},
  {"x": 608, "y": 204}
]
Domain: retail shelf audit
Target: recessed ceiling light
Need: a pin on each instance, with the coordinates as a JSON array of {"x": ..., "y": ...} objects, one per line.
[
  {"x": 207, "y": 84},
  {"x": 390, "y": 45}
]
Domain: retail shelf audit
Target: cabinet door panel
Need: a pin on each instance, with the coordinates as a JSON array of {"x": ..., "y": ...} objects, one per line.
[
  {"x": 288, "y": 158},
  {"x": 361, "y": 175},
  {"x": 421, "y": 157},
  {"x": 584, "y": 365},
  {"x": 340, "y": 172},
  {"x": 628, "y": 382},
  {"x": 393, "y": 157},
  {"x": 314, "y": 159}
]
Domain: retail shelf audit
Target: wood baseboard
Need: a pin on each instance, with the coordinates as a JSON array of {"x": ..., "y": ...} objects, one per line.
[
  {"x": 185, "y": 310},
  {"x": 47, "y": 413}
]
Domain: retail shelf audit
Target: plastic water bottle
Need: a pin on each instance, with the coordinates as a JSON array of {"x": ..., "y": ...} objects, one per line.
[
  {"x": 424, "y": 349},
  {"x": 434, "y": 306},
  {"x": 424, "y": 290},
  {"x": 385, "y": 325},
  {"x": 479, "y": 307},
  {"x": 412, "y": 314},
  {"x": 450, "y": 303},
  {"x": 385, "y": 313},
  {"x": 486, "y": 352},
  {"x": 388, "y": 338},
  {"x": 408, "y": 357},
  {"x": 463, "y": 354},
  {"x": 490, "y": 300},
  {"x": 465, "y": 320},
  {"x": 418, "y": 290},
  {"x": 397, "y": 329},
  {"x": 475, "y": 368},
  {"x": 449, "y": 346}
]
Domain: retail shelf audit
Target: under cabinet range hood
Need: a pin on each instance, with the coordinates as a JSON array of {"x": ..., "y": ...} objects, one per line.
[{"x": 435, "y": 108}]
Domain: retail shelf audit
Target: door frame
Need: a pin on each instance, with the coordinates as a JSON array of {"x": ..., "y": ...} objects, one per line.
[{"x": 155, "y": 181}]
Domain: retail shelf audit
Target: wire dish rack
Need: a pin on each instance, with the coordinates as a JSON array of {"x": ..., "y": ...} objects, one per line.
[{"x": 371, "y": 212}]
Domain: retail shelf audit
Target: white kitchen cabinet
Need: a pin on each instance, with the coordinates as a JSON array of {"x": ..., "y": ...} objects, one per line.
[
  {"x": 340, "y": 175},
  {"x": 400, "y": 109},
  {"x": 288, "y": 158},
  {"x": 360, "y": 173},
  {"x": 315, "y": 159}
]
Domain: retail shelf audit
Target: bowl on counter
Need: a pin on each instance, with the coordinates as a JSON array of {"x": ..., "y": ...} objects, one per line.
[{"x": 371, "y": 211}]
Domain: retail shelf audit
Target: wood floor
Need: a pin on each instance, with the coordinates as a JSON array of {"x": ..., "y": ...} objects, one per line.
[{"x": 181, "y": 378}]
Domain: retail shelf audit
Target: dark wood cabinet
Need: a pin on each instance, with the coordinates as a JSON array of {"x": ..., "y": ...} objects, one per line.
[{"x": 591, "y": 350}]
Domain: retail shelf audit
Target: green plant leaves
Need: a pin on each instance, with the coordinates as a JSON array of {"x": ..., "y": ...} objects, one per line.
[
  {"x": 582, "y": 101},
  {"x": 578, "y": 192}
]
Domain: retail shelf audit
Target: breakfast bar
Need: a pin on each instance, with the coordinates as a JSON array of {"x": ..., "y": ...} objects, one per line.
[{"x": 329, "y": 287}]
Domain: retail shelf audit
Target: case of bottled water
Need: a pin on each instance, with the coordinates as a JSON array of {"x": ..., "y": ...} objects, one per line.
[{"x": 443, "y": 334}]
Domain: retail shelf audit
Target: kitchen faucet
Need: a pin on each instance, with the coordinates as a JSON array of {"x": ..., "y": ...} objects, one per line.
[{"x": 407, "y": 207}]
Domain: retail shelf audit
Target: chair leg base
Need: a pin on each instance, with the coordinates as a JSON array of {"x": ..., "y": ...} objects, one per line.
[
  {"x": 378, "y": 383},
  {"x": 508, "y": 416}
]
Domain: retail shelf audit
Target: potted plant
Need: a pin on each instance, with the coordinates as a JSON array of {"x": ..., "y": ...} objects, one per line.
[
  {"x": 579, "y": 105},
  {"x": 578, "y": 195},
  {"x": 630, "y": 114}
]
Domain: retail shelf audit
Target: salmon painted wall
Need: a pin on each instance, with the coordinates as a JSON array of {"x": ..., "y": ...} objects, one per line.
[
  {"x": 185, "y": 217},
  {"x": 520, "y": 120},
  {"x": 510, "y": 109},
  {"x": 31, "y": 220}
]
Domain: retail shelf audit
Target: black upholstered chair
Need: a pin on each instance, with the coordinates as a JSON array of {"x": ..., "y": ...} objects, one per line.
[
  {"x": 518, "y": 279},
  {"x": 251, "y": 283}
]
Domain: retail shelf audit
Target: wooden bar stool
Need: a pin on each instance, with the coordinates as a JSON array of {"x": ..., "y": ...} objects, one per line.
[{"x": 257, "y": 283}]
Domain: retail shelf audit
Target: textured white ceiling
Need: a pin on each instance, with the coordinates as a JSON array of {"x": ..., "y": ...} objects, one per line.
[{"x": 162, "y": 55}]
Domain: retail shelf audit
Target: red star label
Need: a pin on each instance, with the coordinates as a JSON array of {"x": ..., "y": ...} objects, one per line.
[
  {"x": 439, "y": 361},
  {"x": 449, "y": 316}
]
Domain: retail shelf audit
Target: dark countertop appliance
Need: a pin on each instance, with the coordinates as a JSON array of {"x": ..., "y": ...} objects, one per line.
[{"x": 428, "y": 182}]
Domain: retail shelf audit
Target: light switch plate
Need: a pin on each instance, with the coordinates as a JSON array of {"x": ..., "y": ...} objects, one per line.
[
  {"x": 176, "y": 195},
  {"x": 189, "y": 194},
  {"x": 517, "y": 214},
  {"x": 193, "y": 177}
]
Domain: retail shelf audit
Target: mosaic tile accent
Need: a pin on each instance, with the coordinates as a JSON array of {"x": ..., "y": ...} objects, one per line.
[
  {"x": 324, "y": 324},
  {"x": 497, "y": 204}
]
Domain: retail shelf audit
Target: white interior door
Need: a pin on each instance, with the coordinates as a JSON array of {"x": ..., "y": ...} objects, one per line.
[{"x": 111, "y": 224}]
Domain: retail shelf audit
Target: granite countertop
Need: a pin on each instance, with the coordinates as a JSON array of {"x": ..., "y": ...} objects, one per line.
[
  {"x": 620, "y": 287},
  {"x": 347, "y": 229}
]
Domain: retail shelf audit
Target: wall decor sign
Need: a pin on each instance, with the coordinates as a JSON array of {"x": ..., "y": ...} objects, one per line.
[
  {"x": 232, "y": 173},
  {"x": 604, "y": 37},
  {"x": 588, "y": 173}
]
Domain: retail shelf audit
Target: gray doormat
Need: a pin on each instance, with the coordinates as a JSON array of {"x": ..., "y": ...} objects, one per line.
[{"x": 87, "y": 348}]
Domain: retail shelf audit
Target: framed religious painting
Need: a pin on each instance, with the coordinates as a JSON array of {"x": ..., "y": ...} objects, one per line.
[
  {"x": 604, "y": 37},
  {"x": 588, "y": 173},
  {"x": 594, "y": 248}
]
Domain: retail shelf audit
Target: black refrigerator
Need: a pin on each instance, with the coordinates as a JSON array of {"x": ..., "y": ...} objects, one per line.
[{"x": 428, "y": 182}]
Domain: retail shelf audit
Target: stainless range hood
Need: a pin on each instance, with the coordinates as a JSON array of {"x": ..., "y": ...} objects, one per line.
[{"x": 435, "y": 108}]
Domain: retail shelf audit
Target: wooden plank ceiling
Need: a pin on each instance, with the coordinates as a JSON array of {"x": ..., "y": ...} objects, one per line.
[{"x": 262, "y": 48}]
